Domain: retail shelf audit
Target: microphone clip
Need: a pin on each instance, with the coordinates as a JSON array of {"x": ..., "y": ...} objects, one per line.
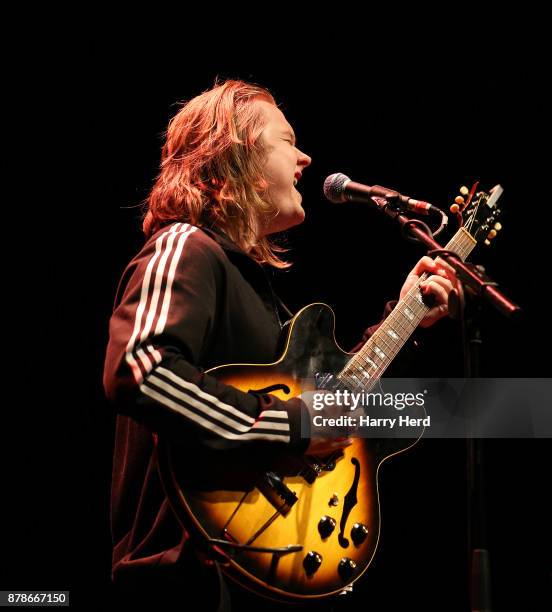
[{"x": 393, "y": 204}]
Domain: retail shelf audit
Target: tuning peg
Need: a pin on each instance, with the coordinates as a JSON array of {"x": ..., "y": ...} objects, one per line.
[
  {"x": 464, "y": 190},
  {"x": 498, "y": 226},
  {"x": 492, "y": 234},
  {"x": 487, "y": 243},
  {"x": 454, "y": 209}
]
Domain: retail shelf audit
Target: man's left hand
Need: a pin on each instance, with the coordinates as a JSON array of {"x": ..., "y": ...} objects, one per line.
[{"x": 435, "y": 288}]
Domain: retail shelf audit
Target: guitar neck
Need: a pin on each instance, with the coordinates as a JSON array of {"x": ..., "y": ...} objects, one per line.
[{"x": 376, "y": 355}]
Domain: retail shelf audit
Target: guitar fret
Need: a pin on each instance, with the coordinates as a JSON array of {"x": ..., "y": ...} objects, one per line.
[
  {"x": 398, "y": 322},
  {"x": 380, "y": 338},
  {"x": 361, "y": 376},
  {"x": 389, "y": 343},
  {"x": 367, "y": 360}
]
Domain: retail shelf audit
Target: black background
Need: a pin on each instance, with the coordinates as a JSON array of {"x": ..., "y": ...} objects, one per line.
[{"x": 421, "y": 118}]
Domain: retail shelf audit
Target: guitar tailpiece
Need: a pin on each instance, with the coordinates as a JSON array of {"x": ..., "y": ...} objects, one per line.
[{"x": 348, "y": 589}]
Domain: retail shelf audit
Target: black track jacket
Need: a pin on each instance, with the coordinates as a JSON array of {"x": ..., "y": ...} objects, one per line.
[{"x": 190, "y": 300}]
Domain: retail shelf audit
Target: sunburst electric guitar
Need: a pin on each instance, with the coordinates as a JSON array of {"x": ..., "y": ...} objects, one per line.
[{"x": 309, "y": 528}]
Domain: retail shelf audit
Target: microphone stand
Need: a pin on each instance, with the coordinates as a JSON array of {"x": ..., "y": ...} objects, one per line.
[{"x": 473, "y": 282}]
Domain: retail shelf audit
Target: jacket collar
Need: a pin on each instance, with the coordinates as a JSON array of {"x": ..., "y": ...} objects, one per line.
[
  {"x": 228, "y": 245},
  {"x": 223, "y": 240}
]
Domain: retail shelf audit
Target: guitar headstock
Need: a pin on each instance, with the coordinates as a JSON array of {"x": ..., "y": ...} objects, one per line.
[{"x": 477, "y": 212}]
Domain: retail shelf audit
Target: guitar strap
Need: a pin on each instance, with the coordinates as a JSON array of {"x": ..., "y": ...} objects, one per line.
[{"x": 284, "y": 308}]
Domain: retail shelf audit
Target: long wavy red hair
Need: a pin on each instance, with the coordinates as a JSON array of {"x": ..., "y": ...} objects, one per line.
[{"x": 212, "y": 169}]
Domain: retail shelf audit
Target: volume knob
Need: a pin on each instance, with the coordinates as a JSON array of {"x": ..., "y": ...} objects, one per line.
[
  {"x": 326, "y": 525},
  {"x": 346, "y": 568},
  {"x": 312, "y": 562},
  {"x": 359, "y": 533}
]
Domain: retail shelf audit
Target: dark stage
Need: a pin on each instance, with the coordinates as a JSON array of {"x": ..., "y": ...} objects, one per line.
[{"x": 422, "y": 124}]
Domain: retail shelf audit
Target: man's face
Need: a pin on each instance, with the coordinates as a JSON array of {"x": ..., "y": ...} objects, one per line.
[{"x": 284, "y": 166}]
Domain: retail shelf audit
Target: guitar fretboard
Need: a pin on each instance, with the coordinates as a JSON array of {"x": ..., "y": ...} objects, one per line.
[{"x": 369, "y": 364}]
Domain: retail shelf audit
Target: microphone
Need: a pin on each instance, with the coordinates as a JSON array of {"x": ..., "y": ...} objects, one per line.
[{"x": 339, "y": 188}]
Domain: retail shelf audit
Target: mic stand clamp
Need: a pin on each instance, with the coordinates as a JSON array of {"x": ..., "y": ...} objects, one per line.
[{"x": 470, "y": 276}]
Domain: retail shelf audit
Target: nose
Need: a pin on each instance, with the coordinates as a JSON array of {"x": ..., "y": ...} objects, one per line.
[{"x": 303, "y": 160}]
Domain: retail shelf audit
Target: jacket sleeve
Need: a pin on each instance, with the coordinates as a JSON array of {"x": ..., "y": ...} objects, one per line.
[{"x": 160, "y": 333}]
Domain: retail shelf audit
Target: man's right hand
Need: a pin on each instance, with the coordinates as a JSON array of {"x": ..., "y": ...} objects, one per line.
[{"x": 323, "y": 445}]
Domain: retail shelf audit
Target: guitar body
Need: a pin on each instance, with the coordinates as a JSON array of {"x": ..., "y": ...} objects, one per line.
[{"x": 225, "y": 502}]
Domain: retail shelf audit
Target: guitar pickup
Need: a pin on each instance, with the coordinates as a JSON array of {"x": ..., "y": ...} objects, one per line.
[
  {"x": 324, "y": 380},
  {"x": 277, "y": 492},
  {"x": 313, "y": 468}
]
